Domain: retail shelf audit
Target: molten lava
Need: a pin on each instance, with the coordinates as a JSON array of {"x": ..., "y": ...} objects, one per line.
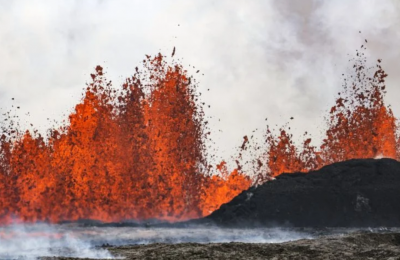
[
  {"x": 359, "y": 126},
  {"x": 135, "y": 153},
  {"x": 139, "y": 152}
]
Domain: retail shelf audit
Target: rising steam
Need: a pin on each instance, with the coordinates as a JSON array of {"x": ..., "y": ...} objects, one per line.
[{"x": 41, "y": 240}]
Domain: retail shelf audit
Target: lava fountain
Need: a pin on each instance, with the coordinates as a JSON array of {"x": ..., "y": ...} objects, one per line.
[
  {"x": 359, "y": 125},
  {"x": 138, "y": 152},
  {"x": 135, "y": 153}
]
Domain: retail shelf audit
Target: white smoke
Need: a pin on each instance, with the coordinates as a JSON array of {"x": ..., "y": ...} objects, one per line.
[
  {"x": 42, "y": 240},
  {"x": 201, "y": 234},
  {"x": 23, "y": 241},
  {"x": 260, "y": 59}
]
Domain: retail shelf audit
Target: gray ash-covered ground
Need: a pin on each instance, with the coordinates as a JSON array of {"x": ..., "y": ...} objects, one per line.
[
  {"x": 361, "y": 245},
  {"x": 355, "y": 193},
  {"x": 355, "y": 246}
]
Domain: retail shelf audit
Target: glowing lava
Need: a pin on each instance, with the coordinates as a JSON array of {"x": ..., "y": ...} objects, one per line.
[
  {"x": 359, "y": 126},
  {"x": 136, "y": 153},
  {"x": 139, "y": 152}
]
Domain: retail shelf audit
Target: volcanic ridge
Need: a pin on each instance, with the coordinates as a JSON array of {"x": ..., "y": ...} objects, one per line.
[{"x": 354, "y": 193}]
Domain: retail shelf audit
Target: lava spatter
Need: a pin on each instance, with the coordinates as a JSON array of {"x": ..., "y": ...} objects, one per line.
[
  {"x": 359, "y": 125},
  {"x": 132, "y": 153},
  {"x": 138, "y": 152}
]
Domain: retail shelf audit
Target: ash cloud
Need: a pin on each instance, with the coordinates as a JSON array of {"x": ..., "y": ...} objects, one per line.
[{"x": 261, "y": 59}]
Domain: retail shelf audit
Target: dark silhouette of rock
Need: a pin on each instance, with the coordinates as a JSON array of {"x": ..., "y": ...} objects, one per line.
[{"x": 355, "y": 193}]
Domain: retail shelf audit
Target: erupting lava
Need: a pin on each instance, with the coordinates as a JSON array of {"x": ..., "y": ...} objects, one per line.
[
  {"x": 139, "y": 153},
  {"x": 359, "y": 126}
]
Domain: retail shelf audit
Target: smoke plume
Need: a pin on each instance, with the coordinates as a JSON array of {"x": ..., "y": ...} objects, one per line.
[{"x": 260, "y": 59}]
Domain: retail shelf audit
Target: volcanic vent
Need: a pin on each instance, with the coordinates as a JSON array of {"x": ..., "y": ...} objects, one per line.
[{"x": 138, "y": 152}]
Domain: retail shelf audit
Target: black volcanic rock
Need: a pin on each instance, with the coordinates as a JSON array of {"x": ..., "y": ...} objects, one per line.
[
  {"x": 356, "y": 246},
  {"x": 355, "y": 193}
]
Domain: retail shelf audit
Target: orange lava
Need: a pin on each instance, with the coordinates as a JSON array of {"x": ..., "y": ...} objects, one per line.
[
  {"x": 134, "y": 153},
  {"x": 360, "y": 125},
  {"x": 138, "y": 152}
]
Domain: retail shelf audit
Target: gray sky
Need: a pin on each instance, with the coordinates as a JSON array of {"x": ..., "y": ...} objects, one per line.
[{"x": 260, "y": 59}]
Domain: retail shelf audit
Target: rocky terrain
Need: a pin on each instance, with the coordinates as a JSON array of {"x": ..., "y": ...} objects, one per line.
[
  {"x": 362, "y": 245},
  {"x": 355, "y": 193}
]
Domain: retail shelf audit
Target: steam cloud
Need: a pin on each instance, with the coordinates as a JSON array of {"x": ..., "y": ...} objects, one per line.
[
  {"x": 31, "y": 241},
  {"x": 274, "y": 59},
  {"x": 39, "y": 240},
  {"x": 69, "y": 240}
]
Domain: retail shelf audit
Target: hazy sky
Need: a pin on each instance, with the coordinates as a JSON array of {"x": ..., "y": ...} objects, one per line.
[{"x": 260, "y": 59}]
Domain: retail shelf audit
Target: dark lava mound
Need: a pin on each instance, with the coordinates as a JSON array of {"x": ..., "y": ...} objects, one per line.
[{"x": 355, "y": 193}]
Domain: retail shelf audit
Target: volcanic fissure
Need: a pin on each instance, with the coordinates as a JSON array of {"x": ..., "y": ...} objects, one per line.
[{"x": 139, "y": 152}]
